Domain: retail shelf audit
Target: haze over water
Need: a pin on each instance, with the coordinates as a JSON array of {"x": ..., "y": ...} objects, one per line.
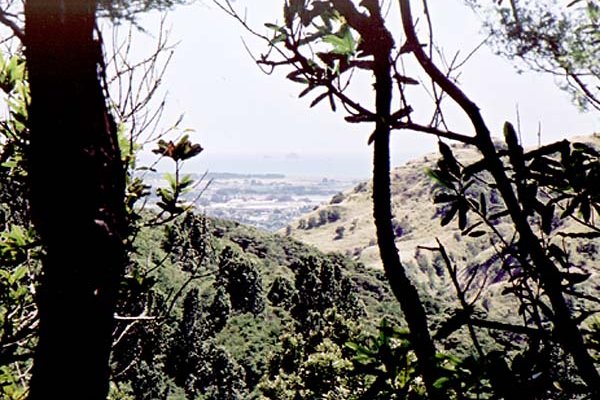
[{"x": 340, "y": 165}]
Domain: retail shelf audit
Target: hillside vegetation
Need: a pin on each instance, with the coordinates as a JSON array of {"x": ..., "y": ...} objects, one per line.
[
  {"x": 417, "y": 222},
  {"x": 255, "y": 313},
  {"x": 416, "y": 217},
  {"x": 104, "y": 294}
]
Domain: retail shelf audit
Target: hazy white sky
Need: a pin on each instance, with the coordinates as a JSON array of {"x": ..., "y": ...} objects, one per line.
[{"x": 247, "y": 120}]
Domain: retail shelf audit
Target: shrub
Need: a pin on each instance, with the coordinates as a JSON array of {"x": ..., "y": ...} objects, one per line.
[{"x": 337, "y": 198}]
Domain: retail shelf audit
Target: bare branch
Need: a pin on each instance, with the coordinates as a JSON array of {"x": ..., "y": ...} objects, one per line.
[
  {"x": 14, "y": 27},
  {"x": 412, "y": 42},
  {"x": 459, "y": 137}
]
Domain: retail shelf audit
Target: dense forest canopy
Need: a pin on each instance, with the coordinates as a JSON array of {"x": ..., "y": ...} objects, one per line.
[{"x": 105, "y": 296}]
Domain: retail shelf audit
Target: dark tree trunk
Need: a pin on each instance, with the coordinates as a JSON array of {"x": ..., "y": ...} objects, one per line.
[
  {"x": 401, "y": 286},
  {"x": 378, "y": 41},
  {"x": 403, "y": 289},
  {"x": 77, "y": 186}
]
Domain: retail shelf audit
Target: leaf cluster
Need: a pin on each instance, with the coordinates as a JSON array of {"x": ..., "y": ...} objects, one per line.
[{"x": 561, "y": 39}]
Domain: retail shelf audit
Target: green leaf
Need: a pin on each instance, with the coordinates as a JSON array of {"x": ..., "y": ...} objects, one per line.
[
  {"x": 448, "y": 158},
  {"x": 306, "y": 91},
  {"x": 441, "y": 382},
  {"x": 585, "y": 210},
  {"x": 483, "y": 204},
  {"x": 279, "y": 38},
  {"x": 275, "y": 27},
  {"x": 18, "y": 273},
  {"x": 471, "y": 228},
  {"x": 360, "y": 350},
  {"x": 510, "y": 135},
  {"x": 171, "y": 180},
  {"x": 444, "y": 198},
  {"x": 186, "y": 180},
  {"x": 343, "y": 42},
  {"x": 436, "y": 175},
  {"x": 185, "y": 183},
  {"x": 498, "y": 215},
  {"x": 462, "y": 216},
  {"x": 296, "y": 76},
  {"x": 574, "y": 277},
  {"x": 547, "y": 215},
  {"x": 476, "y": 234},
  {"x": 166, "y": 195},
  {"x": 570, "y": 207},
  {"x": 184, "y": 149}
]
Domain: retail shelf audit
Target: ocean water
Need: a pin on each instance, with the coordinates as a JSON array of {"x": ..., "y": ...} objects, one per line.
[{"x": 330, "y": 165}]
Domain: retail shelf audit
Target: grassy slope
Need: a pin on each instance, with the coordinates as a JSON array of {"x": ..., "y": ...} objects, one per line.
[
  {"x": 413, "y": 210},
  {"x": 418, "y": 219}
]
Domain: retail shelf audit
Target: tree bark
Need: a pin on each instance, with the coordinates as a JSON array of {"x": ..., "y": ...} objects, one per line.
[
  {"x": 378, "y": 42},
  {"x": 77, "y": 185},
  {"x": 404, "y": 291}
]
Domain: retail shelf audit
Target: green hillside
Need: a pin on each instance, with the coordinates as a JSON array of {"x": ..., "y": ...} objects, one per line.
[{"x": 247, "y": 298}]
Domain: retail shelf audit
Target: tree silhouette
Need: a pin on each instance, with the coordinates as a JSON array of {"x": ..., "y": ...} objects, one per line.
[
  {"x": 80, "y": 218},
  {"x": 333, "y": 22}
]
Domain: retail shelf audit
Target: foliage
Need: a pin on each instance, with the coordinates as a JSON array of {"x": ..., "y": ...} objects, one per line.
[
  {"x": 554, "y": 183},
  {"x": 188, "y": 243},
  {"x": 193, "y": 321},
  {"x": 325, "y": 216},
  {"x": 20, "y": 252},
  {"x": 193, "y": 354},
  {"x": 242, "y": 281},
  {"x": 388, "y": 359},
  {"x": 281, "y": 293},
  {"x": 337, "y": 198},
  {"x": 205, "y": 331},
  {"x": 320, "y": 286},
  {"x": 313, "y": 337},
  {"x": 178, "y": 185},
  {"x": 550, "y": 37},
  {"x": 339, "y": 233}
]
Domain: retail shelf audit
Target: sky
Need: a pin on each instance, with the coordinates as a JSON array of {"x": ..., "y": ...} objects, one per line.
[{"x": 251, "y": 122}]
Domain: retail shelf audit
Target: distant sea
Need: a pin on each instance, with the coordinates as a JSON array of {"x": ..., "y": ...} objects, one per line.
[{"x": 346, "y": 166}]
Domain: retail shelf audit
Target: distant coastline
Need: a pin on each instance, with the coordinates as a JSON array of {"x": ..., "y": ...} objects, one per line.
[
  {"x": 237, "y": 175},
  {"x": 278, "y": 166}
]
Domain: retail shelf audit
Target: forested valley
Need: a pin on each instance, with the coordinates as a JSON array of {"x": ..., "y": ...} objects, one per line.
[{"x": 469, "y": 274}]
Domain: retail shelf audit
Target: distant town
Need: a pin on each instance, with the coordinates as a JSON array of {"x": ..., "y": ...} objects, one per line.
[{"x": 267, "y": 201}]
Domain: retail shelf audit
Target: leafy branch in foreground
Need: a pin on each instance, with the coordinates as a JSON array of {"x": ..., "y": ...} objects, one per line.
[{"x": 178, "y": 185}]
